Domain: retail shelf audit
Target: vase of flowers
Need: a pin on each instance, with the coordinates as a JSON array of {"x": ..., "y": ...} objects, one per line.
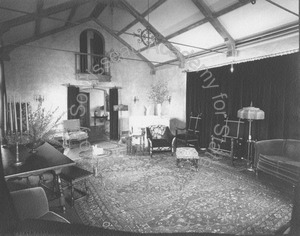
[
  {"x": 158, "y": 94},
  {"x": 41, "y": 124}
]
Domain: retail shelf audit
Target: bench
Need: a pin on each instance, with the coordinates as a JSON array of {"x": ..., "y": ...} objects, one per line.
[{"x": 74, "y": 174}]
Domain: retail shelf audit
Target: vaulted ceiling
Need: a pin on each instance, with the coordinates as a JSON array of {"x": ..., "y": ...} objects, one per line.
[{"x": 180, "y": 28}]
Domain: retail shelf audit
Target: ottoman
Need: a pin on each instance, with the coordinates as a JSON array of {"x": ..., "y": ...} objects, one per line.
[{"x": 187, "y": 154}]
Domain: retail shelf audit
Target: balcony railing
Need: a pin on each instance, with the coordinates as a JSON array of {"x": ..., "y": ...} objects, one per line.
[{"x": 92, "y": 67}]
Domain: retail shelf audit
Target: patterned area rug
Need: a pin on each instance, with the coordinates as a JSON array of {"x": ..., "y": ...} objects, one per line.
[{"x": 139, "y": 194}]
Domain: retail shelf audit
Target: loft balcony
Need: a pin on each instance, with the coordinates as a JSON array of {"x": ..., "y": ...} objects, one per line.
[{"x": 92, "y": 67}]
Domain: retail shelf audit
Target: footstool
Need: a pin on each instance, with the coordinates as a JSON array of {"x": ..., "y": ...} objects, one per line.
[
  {"x": 187, "y": 154},
  {"x": 72, "y": 175}
]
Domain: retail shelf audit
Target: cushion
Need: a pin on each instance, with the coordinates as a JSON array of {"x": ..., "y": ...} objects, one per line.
[
  {"x": 78, "y": 135},
  {"x": 186, "y": 153},
  {"x": 160, "y": 143},
  {"x": 157, "y": 131},
  {"x": 280, "y": 160},
  {"x": 292, "y": 149},
  {"x": 280, "y": 167}
]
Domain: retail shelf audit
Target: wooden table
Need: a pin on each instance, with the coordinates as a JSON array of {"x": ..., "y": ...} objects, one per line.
[
  {"x": 101, "y": 119},
  {"x": 47, "y": 158}
]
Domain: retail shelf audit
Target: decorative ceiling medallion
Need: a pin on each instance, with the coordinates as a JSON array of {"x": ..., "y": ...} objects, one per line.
[{"x": 147, "y": 37}]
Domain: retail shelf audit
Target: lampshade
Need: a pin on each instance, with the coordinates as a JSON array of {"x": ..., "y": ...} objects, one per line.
[
  {"x": 251, "y": 113},
  {"x": 120, "y": 107}
]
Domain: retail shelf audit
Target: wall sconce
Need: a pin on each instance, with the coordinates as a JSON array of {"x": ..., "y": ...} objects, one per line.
[
  {"x": 135, "y": 99},
  {"x": 38, "y": 98},
  {"x": 231, "y": 68},
  {"x": 169, "y": 99}
]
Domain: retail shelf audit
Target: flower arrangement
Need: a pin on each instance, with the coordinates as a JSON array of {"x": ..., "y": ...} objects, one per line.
[
  {"x": 159, "y": 92},
  {"x": 41, "y": 125}
]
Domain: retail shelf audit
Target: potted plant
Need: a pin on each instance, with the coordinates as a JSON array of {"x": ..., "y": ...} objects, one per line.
[{"x": 158, "y": 94}]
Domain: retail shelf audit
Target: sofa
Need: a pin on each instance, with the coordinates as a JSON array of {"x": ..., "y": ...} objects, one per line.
[
  {"x": 160, "y": 138},
  {"x": 279, "y": 158}
]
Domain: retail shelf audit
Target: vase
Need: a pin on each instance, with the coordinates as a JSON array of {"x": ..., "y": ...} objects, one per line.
[
  {"x": 34, "y": 145},
  {"x": 158, "y": 109}
]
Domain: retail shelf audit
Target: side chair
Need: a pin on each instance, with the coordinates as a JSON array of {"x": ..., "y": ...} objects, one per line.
[
  {"x": 189, "y": 135},
  {"x": 231, "y": 140},
  {"x": 74, "y": 132}
]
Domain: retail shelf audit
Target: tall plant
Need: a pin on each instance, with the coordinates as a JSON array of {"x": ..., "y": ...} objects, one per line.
[
  {"x": 42, "y": 124},
  {"x": 158, "y": 92}
]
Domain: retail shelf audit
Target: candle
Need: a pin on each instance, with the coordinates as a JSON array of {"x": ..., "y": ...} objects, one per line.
[
  {"x": 21, "y": 116},
  {"x": 4, "y": 108},
  {"x": 10, "y": 114},
  {"x": 27, "y": 126},
  {"x": 15, "y": 110}
]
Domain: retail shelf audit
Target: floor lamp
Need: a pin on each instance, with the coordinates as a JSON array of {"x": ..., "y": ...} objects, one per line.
[{"x": 250, "y": 113}]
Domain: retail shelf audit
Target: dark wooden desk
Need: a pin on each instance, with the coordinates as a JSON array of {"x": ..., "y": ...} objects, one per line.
[{"x": 47, "y": 158}]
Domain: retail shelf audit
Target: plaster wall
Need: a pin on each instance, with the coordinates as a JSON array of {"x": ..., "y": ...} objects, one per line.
[{"x": 43, "y": 66}]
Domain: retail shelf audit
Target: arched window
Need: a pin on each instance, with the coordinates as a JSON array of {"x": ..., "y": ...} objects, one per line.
[{"x": 92, "y": 50}]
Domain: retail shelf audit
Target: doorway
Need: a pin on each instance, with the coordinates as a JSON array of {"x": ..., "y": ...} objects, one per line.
[{"x": 98, "y": 115}]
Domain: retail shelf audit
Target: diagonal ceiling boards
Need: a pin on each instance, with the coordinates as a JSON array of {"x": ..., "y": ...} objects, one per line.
[{"x": 204, "y": 26}]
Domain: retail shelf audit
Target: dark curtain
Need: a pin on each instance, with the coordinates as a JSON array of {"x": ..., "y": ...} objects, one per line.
[
  {"x": 114, "y": 115},
  {"x": 84, "y": 107},
  {"x": 83, "y": 49},
  {"x": 270, "y": 84},
  {"x": 3, "y": 100},
  {"x": 73, "y": 104}
]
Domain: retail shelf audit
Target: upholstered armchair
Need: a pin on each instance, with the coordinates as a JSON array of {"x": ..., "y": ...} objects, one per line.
[
  {"x": 32, "y": 203},
  {"x": 73, "y": 131},
  {"x": 160, "y": 138}
]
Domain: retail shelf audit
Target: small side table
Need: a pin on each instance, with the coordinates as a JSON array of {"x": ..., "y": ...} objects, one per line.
[{"x": 141, "y": 145}]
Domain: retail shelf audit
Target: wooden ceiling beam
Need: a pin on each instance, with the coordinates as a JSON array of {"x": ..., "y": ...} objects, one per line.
[
  {"x": 28, "y": 17},
  {"x": 112, "y": 33},
  {"x": 19, "y": 43},
  {"x": 203, "y": 21},
  {"x": 285, "y": 31},
  {"x": 98, "y": 10},
  {"x": 39, "y": 7},
  {"x": 157, "y": 34},
  {"x": 144, "y": 14},
  {"x": 283, "y": 8},
  {"x": 71, "y": 15},
  {"x": 234, "y": 6},
  {"x": 206, "y": 11}
]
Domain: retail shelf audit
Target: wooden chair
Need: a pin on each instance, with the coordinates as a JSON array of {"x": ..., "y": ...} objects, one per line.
[
  {"x": 73, "y": 131},
  {"x": 190, "y": 134},
  {"x": 230, "y": 142}
]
